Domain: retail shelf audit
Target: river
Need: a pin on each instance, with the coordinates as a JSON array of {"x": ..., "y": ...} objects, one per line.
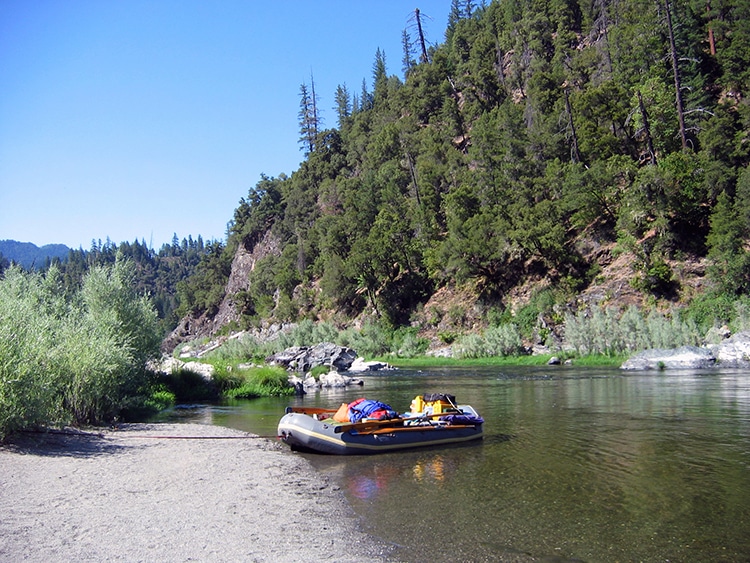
[{"x": 577, "y": 464}]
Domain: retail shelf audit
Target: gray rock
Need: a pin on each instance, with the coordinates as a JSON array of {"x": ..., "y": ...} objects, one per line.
[
  {"x": 734, "y": 351},
  {"x": 305, "y": 358},
  {"x": 333, "y": 379},
  {"x": 169, "y": 365},
  {"x": 310, "y": 382},
  {"x": 444, "y": 352},
  {"x": 685, "y": 357},
  {"x": 360, "y": 365}
]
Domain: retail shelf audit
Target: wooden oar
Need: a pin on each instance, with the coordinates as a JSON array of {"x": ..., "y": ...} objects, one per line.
[
  {"x": 371, "y": 424},
  {"x": 367, "y": 425},
  {"x": 310, "y": 410},
  {"x": 415, "y": 428}
]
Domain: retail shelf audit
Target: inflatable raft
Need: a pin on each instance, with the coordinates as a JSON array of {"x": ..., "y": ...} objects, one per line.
[{"x": 432, "y": 421}]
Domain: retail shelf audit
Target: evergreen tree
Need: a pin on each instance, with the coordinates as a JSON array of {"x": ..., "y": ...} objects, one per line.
[
  {"x": 407, "y": 58},
  {"x": 309, "y": 117},
  {"x": 343, "y": 104},
  {"x": 730, "y": 262},
  {"x": 379, "y": 76}
]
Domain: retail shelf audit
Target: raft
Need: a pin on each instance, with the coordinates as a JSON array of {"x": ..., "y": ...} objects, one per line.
[{"x": 429, "y": 423}]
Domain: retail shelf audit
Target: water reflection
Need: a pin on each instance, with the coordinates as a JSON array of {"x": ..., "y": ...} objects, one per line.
[{"x": 432, "y": 470}]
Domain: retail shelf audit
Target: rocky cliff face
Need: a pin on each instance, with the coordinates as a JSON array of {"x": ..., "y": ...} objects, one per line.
[{"x": 191, "y": 328}]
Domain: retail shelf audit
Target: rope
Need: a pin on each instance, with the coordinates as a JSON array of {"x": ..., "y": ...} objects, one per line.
[
  {"x": 157, "y": 437},
  {"x": 198, "y": 437}
]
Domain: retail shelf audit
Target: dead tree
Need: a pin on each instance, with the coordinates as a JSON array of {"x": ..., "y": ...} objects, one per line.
[
  {"x": 575, "y": 153},
  {"x": 418, "y": 18},
  {"x": 677, "y": 81},
  {"x": 646, "y": 129}
]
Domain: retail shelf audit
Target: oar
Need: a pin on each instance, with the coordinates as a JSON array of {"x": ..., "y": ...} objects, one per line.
[
  {"x": 310, "y": 410},
  {"x": 370, "y": 424},
  {"x": 366, "y": 425},
  {"x": 434, "y": 415}
]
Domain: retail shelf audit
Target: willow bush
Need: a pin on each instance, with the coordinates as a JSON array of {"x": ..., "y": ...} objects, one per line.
[
  {"x": 502, "y": 340},
  {"x": 72, "y": 358},
  {"x": 29, "y": 390},
  {"x": 607, "y": 332}
]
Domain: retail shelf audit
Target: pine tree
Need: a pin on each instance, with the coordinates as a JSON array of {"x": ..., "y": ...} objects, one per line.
[
  {"x": 407, "y": 61},
  {"x": 343, "y": 106},
  {"x": 379, "y": 77},
  {"x": 309, "y": 118}
]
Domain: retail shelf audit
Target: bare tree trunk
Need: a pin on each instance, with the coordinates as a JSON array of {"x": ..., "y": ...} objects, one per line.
[
  {"x": 575, "y": 152},
  {"x": 413, "y": 172},
  {"x": 646, "y": 128},
  {"x": 711, "y": 39},
  {"x": 677, "y": 82},
  {"x": 601, "y": 25},
  {"x": 421, "y": 36},
  {"x": 314, "y": 99}
]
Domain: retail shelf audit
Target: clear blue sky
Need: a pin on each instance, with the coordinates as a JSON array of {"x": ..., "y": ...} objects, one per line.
[{"x": 138, "y": 119}]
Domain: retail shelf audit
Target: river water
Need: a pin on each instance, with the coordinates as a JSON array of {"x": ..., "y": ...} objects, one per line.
[{"x": 576, "y": 464}]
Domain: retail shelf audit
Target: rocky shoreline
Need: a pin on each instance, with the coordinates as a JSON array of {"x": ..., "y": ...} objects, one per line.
[
  {"x": 171, "y": 492},
  {"x": 732, "y": 352}
]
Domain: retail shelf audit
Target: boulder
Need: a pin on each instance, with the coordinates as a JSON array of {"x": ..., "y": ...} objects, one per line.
[
  {"x": 168, "y": 365},
  {"x": 333, "y": 379},
  {"x": 205, "y": 370},
  {"x": 305, "y": 358},
  {"x": 310, "y": 382},
  {"x": 685, "y": 357},
  {"x": 360, "y": 365},
  {"x": 734, "y": 352}
]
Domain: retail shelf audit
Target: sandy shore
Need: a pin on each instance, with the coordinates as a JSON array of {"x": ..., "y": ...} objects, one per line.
[{"x": 139, "y": 494}]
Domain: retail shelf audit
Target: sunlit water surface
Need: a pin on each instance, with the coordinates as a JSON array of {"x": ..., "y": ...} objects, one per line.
[{"x": 576, "y": 464}]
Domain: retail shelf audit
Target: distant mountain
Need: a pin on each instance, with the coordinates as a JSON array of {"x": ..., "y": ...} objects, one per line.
[{"x": 30, "y": 255}]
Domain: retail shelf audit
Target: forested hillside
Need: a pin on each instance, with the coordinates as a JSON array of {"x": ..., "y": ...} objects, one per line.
[
  {"x": 540, "y": 141},
  {"x": 161, "y": 274}
]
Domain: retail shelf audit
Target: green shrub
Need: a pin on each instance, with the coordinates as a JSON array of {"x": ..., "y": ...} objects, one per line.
[
  {"x": 447, "y": 336},
  {"x": 527, "y": 317},
  {"x": 245, "y": 348},
  {"x": 496, "y": 341},
  {"x": 711, "y": 309},
  {"x": 406, "y": 343},
  {"x": 317, "y": 371},
  {"x": 76, "y": 358},
  {"x": 372, "y": 341},
  {"x": 469, "y": 346},
  {"x": 188, "y": 386},
  {"x": 160, "y": 399},
  {"x": 264, "y": 381},
  {"x": 29, "y": 393},
  {"x": 606, "y": 332},
  {"x": 503, "y": 340}
]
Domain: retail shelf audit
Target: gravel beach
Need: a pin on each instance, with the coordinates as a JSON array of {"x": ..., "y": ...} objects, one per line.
[{"x": 171, "y": 492}]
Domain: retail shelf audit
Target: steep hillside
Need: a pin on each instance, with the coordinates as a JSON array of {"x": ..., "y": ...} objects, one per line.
[{"x": 547, "y": 156}]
